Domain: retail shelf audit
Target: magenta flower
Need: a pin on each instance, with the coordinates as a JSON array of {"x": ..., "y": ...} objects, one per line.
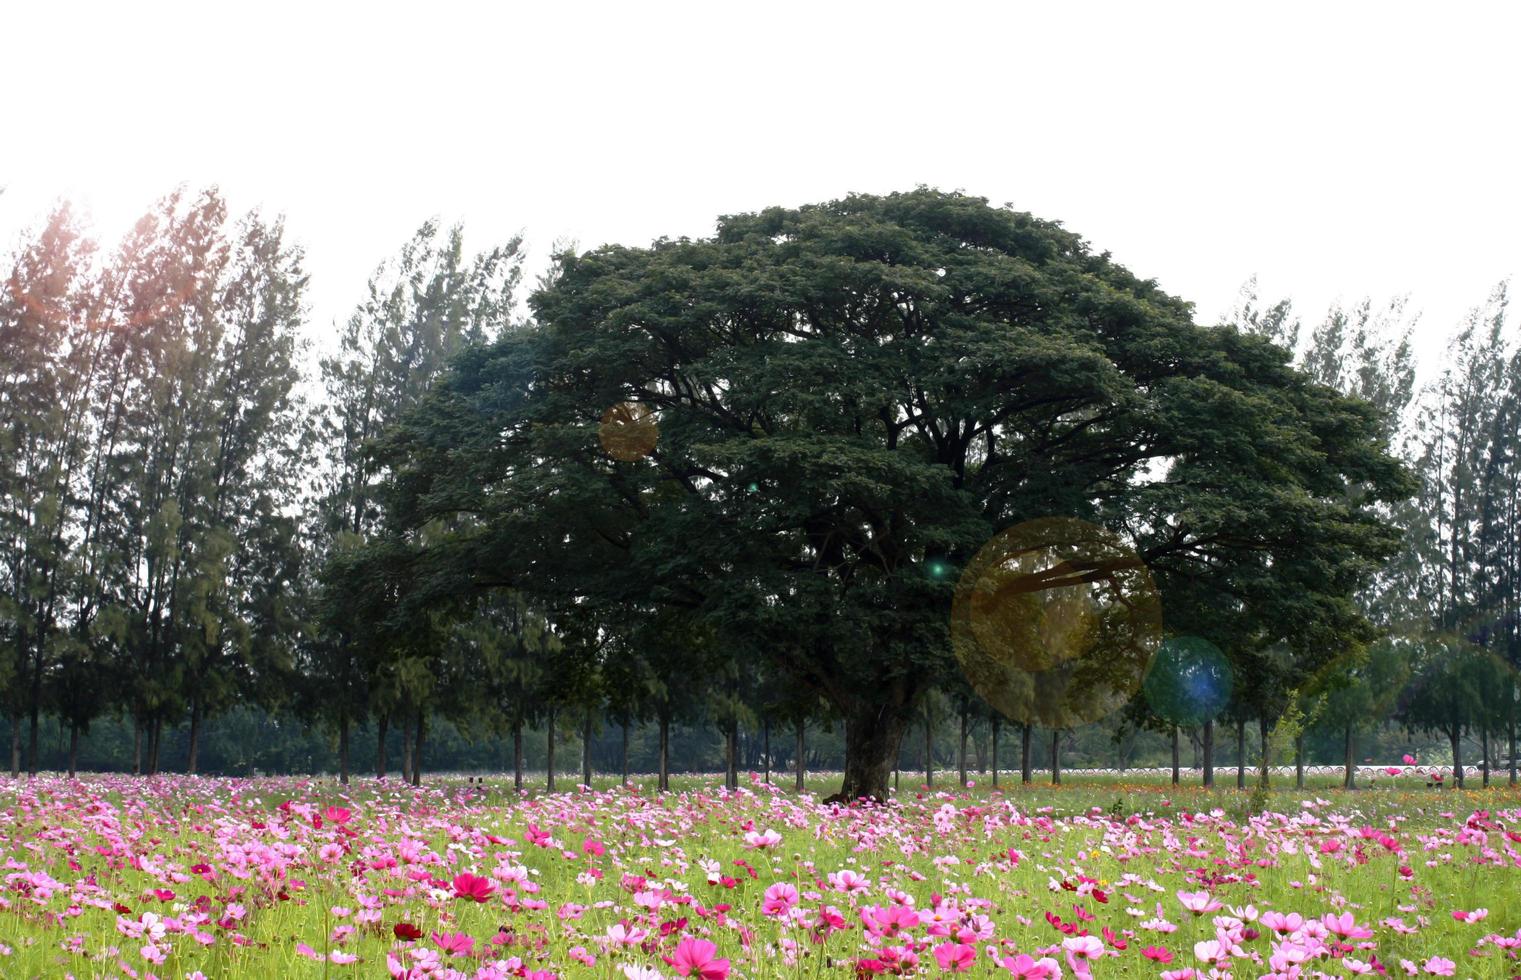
[
  {"x": 473, "y": 887},
  {"x": 698, "y": 958}
]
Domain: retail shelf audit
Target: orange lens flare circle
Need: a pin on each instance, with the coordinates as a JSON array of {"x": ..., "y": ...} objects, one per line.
[
  {"x": 1055, "y": 622},
  {"x": 628, "y": 431}
]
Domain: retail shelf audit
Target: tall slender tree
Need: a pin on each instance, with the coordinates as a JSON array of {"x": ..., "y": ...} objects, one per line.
[{"x": 422, "y": 308}]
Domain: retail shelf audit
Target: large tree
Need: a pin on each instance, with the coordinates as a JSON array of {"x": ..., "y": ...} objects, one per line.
[{"x": 851, "y": 399}]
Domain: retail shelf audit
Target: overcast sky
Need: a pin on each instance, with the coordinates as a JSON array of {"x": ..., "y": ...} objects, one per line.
[{"x": 1333, "y": 150}]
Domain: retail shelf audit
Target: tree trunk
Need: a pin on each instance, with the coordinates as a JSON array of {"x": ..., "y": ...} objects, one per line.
[
  {"x": 586, "y": 750},
  {"x": 929, "y": 747},
  {"x": 1512, "y": 728},
  {"x": 1299, "y": 761},
  {"x": 36, "y": 708},
  {"x": 766, "y": 746},
  {"x": 517, "y": 755},
  {"x": 625, "y": 752},
  {"x": 417, "y": 750},
  {"x": 1456, "y": 735},
  {"x": 155, "y": 739},
  {"x": 1241, "y": 753},
  {"x": 193, "y": 753},
  {"x": 873, "y": 733},
  {"x": 32, "y": 738},
  {"x": 73, "y": 750},
  {"x": 664, "y": 781},
  {"x": 1484, "y": 755},
  {"x": 1176, "y": 768},
  {"x": 1349, "y": 760},
  {"x": 731, "y": 756},
  {"x": 961, "y": 750},
  {"x": 1026, "y": 762},
  {"x": 343, "y": 748},
  {"x": 993, "y": 726},
  {"x": 1209, "y": 754},
  {"x": 137, "y": 746},
  {"x": 549, "y": 753},
  {"x": 406, "y": 748},
  {"x": 382, "y": 729},
  {"x": 16, "y": 746},
  {"x": 1264, "y": 755},
  {"x": 802, "y": 755},
  {"x": 1056, "y": 757}
]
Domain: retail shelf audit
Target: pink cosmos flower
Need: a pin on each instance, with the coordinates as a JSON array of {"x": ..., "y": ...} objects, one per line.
[
  {"x": 1439, "y": 966},
  {"x": 1198, "y": 902},
  {"x": 848, "y": 881},
  {"x": 955, "y": 957},
  {"x": 455, "y": 943},
  {"x": 621, "y": 934},
  {"x": 699, "y": 958},
  {"x": 1345, "y": 926},
  {"x": 1027, "y": 967},
  {"x": 1212, "y": 951},
  {"x": 889, "y": 920},
  {"x": 779, "y": 899},
  {"x": 1080, "y": 951},
  {"x": 764, "y": 839}
]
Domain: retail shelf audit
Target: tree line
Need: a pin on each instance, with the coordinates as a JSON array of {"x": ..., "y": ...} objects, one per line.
[{"x": 727, "y": 481}]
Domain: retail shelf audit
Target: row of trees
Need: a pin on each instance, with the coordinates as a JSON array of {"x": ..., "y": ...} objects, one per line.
[
  {"x": 149, "y": 458},
  {"x": 837, "y": 406},
  {"x": 1446, "y": 606}
]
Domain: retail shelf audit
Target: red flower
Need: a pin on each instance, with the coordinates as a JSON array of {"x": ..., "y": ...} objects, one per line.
[{"x": 406, "y": 931}]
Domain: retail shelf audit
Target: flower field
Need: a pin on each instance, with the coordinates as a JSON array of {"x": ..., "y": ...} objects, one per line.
[{"x": 297, "y": 878}]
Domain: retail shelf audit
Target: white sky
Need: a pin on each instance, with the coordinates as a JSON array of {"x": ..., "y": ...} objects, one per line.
[{"x": 1330, "y": 149}]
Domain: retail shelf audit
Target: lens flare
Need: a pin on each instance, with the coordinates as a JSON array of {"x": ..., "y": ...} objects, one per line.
[
  {"x": 1190, "y": 681},
  {"x": 628, "y": 431},
  {"x": 1055, "y": 621}
]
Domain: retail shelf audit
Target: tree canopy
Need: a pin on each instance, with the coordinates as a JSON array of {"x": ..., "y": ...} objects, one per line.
[{"x": 848, "y": 400}]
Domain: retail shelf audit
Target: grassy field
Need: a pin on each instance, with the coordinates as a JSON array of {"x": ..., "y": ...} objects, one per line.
[{"x": 1105, "y": 875}]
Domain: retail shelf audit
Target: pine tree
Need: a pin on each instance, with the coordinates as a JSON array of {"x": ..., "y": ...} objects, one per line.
[{"x": 421, "y": 309}]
